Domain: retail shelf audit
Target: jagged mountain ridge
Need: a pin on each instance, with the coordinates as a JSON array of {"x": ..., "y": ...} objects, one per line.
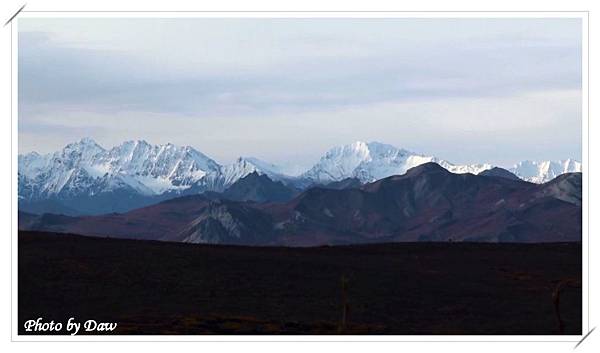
[
  {"x": 85, "y": 177},
  {"x": 85, "y": 166},
  {"x": 130, "y": 175}
]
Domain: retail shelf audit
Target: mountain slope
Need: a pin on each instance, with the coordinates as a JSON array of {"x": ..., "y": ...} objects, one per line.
[
  {"x": 566, "y": 187},
  {"x": 500, "y": 173},
  {"x": 428, "y": 203},
  {"x": 258, "y": 188},
  {"x": 150, "y": 223},
  {"x": 225, "y": 222},
  {"x": 347, "y": 183}
]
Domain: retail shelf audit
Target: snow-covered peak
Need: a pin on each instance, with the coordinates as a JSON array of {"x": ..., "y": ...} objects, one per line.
[
  {"x": 73, "y": 155},
  {"x": 85, "y": 144},
  {"x": 84, "y": 149},
  {"x": 375, "y": 160},
  {"x": 339, "y": 162},
  {"x": 237, "y": 170},
  {"x": 544, "y": 171},
  {"x": 87, "y": 141},
  {"x": 30, "y": 163},
  {"x": 383, "y": 150},
  {"x": 242, "y": 167},
  {"x": 132, "y": 144},
  {"x": 142, "y": 166},
  {"x": 372, "y": 161}
]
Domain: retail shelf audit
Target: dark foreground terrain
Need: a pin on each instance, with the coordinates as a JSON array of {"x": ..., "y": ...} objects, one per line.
[{"x": 150, "y": 287}]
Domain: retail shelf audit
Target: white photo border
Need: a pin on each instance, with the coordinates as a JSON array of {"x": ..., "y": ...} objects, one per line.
[{"x": 583, "y": 15}]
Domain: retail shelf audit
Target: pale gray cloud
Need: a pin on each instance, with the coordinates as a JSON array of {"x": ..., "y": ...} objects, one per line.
[{"x": 265, "y": 87}]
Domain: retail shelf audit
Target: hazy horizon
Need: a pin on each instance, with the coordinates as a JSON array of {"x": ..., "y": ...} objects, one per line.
[{"x": 492, "y": 91}]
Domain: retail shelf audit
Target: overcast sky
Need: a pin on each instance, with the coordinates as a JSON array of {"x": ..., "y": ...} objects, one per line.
[{"x": 466, "y": 90}]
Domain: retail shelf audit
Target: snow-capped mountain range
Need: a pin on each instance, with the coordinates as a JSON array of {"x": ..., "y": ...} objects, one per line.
[
  {"x": 137, "y": 169},
  {"x": 147, "y": 169},
  {"x": 373, "y": 161}
]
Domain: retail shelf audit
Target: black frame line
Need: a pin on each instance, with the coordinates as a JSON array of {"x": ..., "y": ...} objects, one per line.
[{"x": 15, "y": 15}]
